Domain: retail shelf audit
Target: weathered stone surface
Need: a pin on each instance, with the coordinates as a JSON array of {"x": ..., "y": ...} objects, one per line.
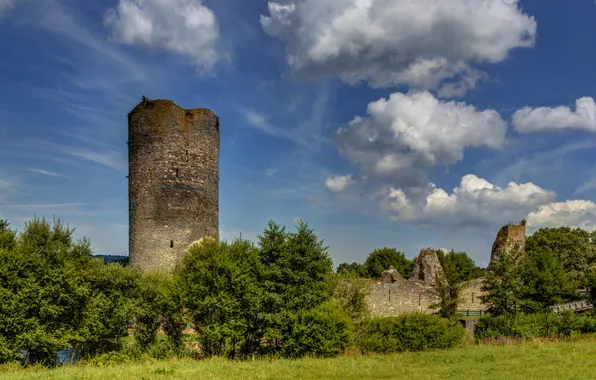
[
  {"x": 390, "y": 276},
  {"x": 401, "y": 297},
  {"x": 427, "y": 268},
  {"x": 508, "y": 238},
  {"x": 470, "y": 295},
  {"x": 173, "y": 181}
]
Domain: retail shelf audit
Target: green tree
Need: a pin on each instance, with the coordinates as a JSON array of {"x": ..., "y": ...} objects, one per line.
[
  {"x": 503, "y": 284},
  {"x": 448, "y": 289},
  {"x": 544, "y": 281},
  {"x": 459, "y": 267},
  {"x": 350, "y": 291},
  {"x": 357, "y": 268},
  {"x": 292, "y": 274},
  {"x": 221, "y": 295},
  {"x": 7, "y": 235},
  {"x": 573, "y": 247},
  {"x": 110, "y": 307},
  {"x": 381, "y": 259},
  {"x": 43, "y": 291}
]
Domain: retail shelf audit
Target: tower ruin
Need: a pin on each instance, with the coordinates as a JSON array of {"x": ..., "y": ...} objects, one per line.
[
  {"x": 509, "y": 237},
  {"x": 173, "y": 181}
]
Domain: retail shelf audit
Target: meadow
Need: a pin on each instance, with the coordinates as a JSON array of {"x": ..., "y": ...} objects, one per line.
[{"x": 535, "y": 359}]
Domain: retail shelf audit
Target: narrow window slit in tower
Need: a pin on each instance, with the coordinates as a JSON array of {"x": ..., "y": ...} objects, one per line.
[
  {"x": 187, "y": 155},
  {"x": 177, "y": 173},
  {"x": 171, "y": 243}
]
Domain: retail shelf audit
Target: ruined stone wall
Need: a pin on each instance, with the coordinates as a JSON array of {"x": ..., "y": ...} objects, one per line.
[
  {"x": 470, "y": 295},
  {"x": 401, "y": 297},
  {"x": 427, "y": 267},
  {"x": 173, "y": 181},
  {"x": 414, "y": 296},
  {"x": 507, "y": 238}
]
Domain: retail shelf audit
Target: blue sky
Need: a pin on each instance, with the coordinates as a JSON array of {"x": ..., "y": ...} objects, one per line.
[{"x": 379, "y": 122}]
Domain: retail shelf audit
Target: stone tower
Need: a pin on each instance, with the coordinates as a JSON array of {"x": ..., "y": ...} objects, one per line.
[
  {"x": 173, "y": 181},
  {"x": 427, "y": 267},
  {"x": 508, "y": 238}
]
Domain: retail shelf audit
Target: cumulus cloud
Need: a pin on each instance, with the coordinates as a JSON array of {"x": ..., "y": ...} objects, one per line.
[
  {"x": 538, "y": 119},
  {"x": 572, "y": 213},
  {"x": 403, "y": 135},
  {"x": 339, "y": 183},
  {"x": 422, "y": 43},
  {"x": 474, "y": 202},
  {"x": 185, "y": 27}
]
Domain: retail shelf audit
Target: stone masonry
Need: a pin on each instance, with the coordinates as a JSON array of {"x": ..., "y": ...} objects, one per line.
[
  {"x": 427, "y": 268},
  {"x": 508, "y": 238},
  {"x": 173, "y": 181}
]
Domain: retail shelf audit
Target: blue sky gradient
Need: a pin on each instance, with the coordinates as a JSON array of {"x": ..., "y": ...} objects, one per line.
[{"x": 69, "y": 76}]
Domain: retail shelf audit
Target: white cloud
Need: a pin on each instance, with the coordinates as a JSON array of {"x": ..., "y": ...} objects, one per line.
[
  {"x": 572, "y": 213},
  {"x": 538, "y": 119},
  {"x": 474, "y": 202},
  {"x": 5, "y": 6},
  {"x": 46, "y": 172},
  {"x": 185, "y": 27},
  {"x": 403, "y": 135},
  {"x": 339, "y": 183},
  {"x": 421, "y": 43}
]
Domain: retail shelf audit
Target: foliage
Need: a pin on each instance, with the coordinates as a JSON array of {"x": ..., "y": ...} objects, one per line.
[
  {"x": 43, "y": 291},
  {"x": 448, "y": 299},
  {"x": 534, "y": 325},
  {"x": 219, "y": 290},
  {"x": 7, "y": 235},
  {"x": 355, "y": 268},
  {"x": 459, "y": 267},
  {"x": 381, "y": 259},
  {"x": 544, "y": 281},
  {"x": 109, "y": 307},
  {"x": 591, "y": 285},
  {"x": 573, "y": 247},
  {"x": 503, "y": 284},
  {"x": 415, "y": 332},
  {"x": 350, "y": 291},
  {"x": 293, "y": 268},
  {"x": 323, "y": 331}
]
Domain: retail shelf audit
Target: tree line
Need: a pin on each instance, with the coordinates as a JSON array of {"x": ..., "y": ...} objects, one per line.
[
  {"x": 458, "y": 266},
  {"x": 278, "y": 296}
]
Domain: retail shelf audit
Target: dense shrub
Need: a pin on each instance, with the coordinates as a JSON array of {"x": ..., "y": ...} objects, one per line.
[
  {"x": 221, "y": 295},
  {"x": 350, "y": 291},
  {"x": 415, "y": 332},
  {"x": 323, "y": 331},
  {"x": 534, "y": 325}
]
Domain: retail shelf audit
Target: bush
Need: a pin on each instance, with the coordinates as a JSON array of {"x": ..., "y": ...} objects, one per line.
[
  {"x": 537, "y": 325},
  {"x": 350, "y": 291},
  {"x": 323, "y": 331},
  {"x": 414, "y": 332}
]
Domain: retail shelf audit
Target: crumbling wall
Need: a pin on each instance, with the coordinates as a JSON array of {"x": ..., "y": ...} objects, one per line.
[
  {"x": 470, "y": 295},
  {"x": 401, "y": 297},
  {"x": 173, "y": 181},
  {"x": 427, "y": 268},
  {"x": 508, "y": 237},
  {"x": 390, "y": 276}
]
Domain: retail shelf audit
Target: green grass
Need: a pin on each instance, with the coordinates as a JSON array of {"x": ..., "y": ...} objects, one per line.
[{"x": 535, "y": 360}]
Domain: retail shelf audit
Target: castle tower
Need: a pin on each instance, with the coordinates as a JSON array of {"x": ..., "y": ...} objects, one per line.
[
  {"x": 173, "y": 181},
  {"x": 509, "y": 237}
]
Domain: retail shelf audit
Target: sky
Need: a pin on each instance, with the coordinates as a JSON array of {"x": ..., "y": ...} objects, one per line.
[{"x": 399, "y": 123}]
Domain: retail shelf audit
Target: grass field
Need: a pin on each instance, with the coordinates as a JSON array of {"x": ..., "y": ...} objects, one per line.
[{"x": 535, "y": 360}]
